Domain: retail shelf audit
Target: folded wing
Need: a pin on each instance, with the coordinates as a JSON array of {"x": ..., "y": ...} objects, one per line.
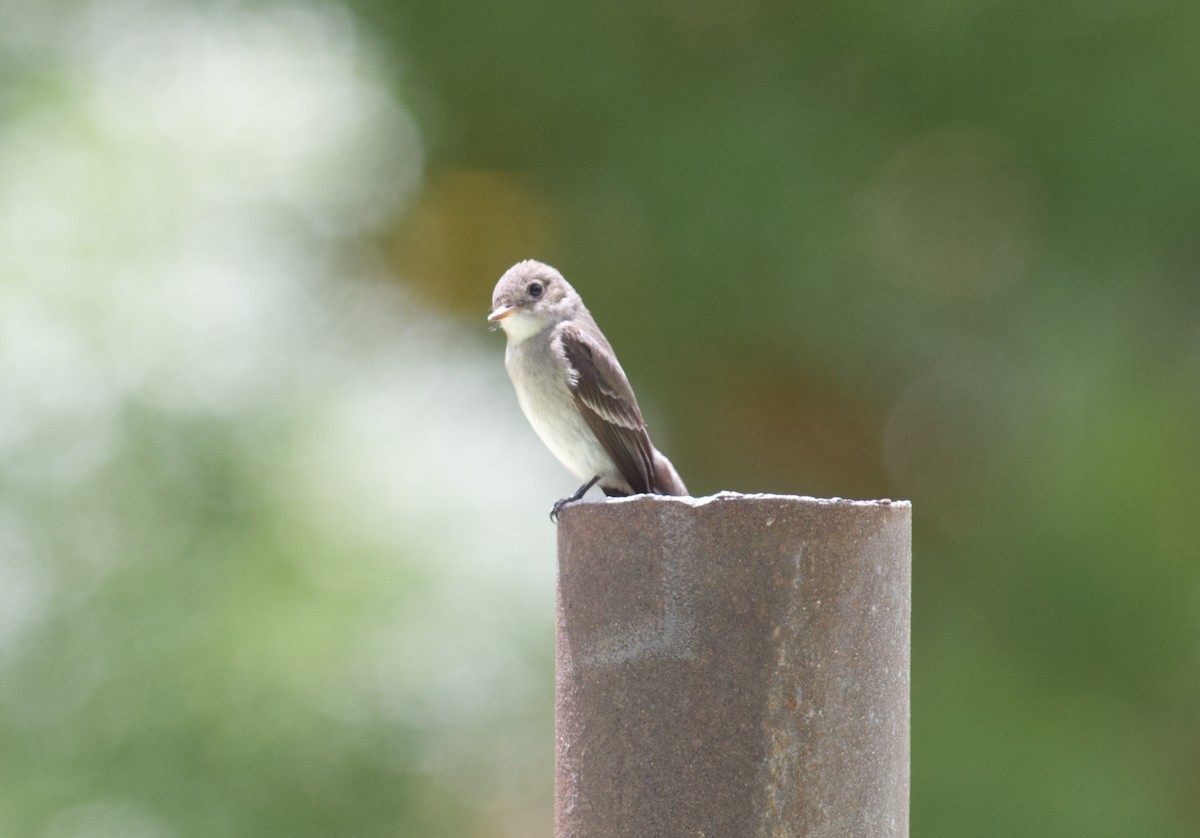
[{"x": 606, "y": 401}]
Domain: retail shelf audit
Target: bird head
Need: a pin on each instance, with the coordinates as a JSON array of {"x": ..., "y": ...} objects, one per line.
[{"x": 531, "y": 297}]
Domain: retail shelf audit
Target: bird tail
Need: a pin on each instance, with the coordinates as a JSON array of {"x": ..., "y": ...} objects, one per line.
[{"x": 666, "y": 478}]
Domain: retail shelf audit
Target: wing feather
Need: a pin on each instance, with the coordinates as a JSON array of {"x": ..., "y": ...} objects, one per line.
[{"x": 604, "y": 397}]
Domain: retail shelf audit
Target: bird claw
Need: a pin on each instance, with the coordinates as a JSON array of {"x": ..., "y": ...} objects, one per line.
[
  {"x": 558, "y": 505},
  {"x": 557, "y": 508}
]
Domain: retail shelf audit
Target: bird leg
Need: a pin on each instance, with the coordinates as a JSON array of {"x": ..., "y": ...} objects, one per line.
[{"x": 558, "y": 505}]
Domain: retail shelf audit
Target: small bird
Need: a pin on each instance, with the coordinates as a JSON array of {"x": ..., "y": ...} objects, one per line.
[{"x": 572, "y": 388}]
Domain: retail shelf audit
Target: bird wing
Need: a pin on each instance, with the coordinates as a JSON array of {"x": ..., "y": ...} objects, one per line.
[{"x": 604, "y": 397}]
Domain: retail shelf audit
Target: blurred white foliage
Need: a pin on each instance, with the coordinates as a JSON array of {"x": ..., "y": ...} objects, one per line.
[{"x": 179, "y": 188}]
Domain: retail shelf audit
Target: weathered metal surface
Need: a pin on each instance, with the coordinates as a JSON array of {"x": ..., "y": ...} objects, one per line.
[{"x": 733, "y": 666}]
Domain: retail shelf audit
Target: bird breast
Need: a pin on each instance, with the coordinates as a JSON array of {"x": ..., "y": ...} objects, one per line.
[{"x": 540, "y": 380}]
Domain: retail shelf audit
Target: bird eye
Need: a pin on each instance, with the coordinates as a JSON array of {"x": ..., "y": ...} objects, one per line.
[{"x": 535, "y": 289}]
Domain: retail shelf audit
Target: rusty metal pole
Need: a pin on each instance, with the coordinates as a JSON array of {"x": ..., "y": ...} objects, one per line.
[{"x": 733, "y": 666}]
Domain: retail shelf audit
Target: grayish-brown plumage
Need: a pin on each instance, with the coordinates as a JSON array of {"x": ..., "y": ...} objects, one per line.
[{"x": 572, "y": 388}]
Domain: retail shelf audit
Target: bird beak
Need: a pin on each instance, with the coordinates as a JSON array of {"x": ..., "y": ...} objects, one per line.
[{"x": 500, "y": 313}]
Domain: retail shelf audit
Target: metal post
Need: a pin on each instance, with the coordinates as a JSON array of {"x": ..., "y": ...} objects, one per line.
[{"x": 733, "y": 666}]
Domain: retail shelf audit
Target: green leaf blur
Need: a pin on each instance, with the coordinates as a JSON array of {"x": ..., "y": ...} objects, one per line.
[{"x": 274, "y": 557}]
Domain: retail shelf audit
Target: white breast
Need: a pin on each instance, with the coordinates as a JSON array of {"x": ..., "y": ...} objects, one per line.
[{"x": 547, "y": 402}]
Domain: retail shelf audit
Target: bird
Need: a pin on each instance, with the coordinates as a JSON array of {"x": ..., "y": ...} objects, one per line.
[{"x": 572, "y": 389}]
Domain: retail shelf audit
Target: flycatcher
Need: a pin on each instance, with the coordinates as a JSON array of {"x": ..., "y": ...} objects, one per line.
[{"x": 572, "y": 389}]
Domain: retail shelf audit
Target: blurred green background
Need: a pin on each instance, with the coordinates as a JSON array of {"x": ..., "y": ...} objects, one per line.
[{"x": 274, "y": 557}]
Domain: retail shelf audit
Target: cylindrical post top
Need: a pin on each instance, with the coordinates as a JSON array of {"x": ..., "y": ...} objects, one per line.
[{"x": 733, "y": 665}]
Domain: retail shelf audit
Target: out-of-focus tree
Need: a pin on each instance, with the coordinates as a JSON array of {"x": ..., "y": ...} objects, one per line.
[
  {"x": 256, "y": 575},
  {"x": 938, "y": 251},
  {"x": 273, "y": 549}
]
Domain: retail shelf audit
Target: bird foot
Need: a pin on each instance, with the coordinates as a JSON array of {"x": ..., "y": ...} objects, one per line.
[
  {"x": 557, "y": 508},
  {"x": 559, "y": 504}
]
